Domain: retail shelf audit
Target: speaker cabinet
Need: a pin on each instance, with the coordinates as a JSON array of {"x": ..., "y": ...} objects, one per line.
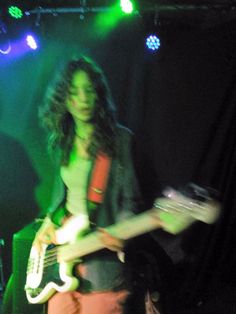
[{"x": 21, "y": 247}]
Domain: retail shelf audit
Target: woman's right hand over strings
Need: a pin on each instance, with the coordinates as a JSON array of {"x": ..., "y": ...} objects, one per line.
[{"x": 45, "y": 235}]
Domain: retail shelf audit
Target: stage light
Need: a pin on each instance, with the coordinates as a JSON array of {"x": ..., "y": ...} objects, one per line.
[
  {"x": 126, "y": 6},
  {"x": 31, "y": 41},
  {"x": 153, "y": 42},
  {"x": 15, "y": 12},
  {"x": 5, "y": 44}
]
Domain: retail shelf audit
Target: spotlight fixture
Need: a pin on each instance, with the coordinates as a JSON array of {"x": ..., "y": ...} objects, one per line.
[
  {"x": 154, "y": 32},
  {"x": 126, "y": 6},
  {"x": 153, "y": 42},
  {"x": 31, "y": 41},
  {"x": 15, "y": 12}
]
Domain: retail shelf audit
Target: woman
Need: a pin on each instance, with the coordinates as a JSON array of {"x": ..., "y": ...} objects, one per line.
[{"x": 96, "y": 180}]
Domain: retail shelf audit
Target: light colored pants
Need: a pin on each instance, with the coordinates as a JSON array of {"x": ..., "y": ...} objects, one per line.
[{"x": 74, "y": 302}]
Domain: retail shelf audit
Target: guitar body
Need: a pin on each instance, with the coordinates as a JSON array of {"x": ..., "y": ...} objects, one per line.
[{"x": 45, "y": 275}]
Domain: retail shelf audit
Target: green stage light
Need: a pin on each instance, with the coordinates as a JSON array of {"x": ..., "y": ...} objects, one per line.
[
  {"x": 126, "y": 6},
  {"x": 15, "y": 12}
]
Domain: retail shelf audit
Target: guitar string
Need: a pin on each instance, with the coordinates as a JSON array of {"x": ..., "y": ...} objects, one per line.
[
  {"x": 51, "y": 255},
  {"x": 49, "y": 259}
]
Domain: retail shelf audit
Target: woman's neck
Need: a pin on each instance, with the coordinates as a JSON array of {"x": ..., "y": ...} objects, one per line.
[{"x": 84, "y": 130}]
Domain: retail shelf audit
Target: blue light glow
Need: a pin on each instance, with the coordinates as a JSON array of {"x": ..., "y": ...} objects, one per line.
[
  {"x": 5, "y": 44},
  {"x": 6, "y": 49},
  {"x": 31, "y": 42},
  {"x": 153, "y": 42}
]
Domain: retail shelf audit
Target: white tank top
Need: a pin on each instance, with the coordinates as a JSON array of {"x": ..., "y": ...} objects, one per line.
[{"x": 75, "y": 177}]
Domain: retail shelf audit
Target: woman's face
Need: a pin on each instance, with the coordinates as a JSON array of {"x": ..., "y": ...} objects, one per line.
[{"x": 82, "y": 97}]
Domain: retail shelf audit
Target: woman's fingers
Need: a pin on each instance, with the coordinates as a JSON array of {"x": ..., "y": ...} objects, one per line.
[
  {"x": 45, "y": 236},
  {"x": 111, "y": 242}
]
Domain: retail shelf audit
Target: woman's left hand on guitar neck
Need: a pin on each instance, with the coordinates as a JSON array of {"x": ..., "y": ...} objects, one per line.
[{"x": 110, "y": 242}]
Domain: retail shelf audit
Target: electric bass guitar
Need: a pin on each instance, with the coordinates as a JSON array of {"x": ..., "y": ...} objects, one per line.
[{"x": 51, "y": 269}]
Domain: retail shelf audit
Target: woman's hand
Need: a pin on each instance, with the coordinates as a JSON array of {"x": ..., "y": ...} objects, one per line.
[
  {"x": 46, "y": 234},
  {"x": 110, "y": 242}
]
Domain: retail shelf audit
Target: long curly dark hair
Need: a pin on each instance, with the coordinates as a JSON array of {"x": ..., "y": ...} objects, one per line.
[{"x": 59, "y": 122}]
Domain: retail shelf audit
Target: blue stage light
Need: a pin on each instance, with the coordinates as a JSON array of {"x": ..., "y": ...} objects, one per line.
[
  {"x": 5, "y": 44},
  {"x": 153, "y": 42}
]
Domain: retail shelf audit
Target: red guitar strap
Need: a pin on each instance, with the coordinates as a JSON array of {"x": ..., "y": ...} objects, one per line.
[{"x": 99, "y": 178}]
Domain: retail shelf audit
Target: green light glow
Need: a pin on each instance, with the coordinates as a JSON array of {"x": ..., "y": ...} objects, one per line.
[
  {"x": 107, "y": 21},
  {"x": 126, "y": 6},
  {"x": 15, "y": 12}
]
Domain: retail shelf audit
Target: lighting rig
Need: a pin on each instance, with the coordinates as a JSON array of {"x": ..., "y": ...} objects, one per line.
[{"x": 14, "y": 12}]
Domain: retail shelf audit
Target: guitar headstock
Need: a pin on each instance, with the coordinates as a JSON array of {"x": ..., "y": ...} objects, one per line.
[{"x": 178, "y": 211}]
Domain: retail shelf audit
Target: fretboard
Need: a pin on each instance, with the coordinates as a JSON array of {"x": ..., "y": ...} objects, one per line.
[{"x": 127, "y": 229}]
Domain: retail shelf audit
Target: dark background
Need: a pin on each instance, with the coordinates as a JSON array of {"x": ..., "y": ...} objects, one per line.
[{"x": 180, "y": 102}]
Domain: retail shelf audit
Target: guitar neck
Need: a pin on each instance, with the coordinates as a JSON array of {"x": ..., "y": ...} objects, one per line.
[{"x": 130, "y": 228}]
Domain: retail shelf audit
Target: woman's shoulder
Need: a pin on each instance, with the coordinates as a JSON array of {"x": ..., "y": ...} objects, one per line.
[
  {"x": 124, "y": 139},
  {"x": 124, "y": 131}
]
